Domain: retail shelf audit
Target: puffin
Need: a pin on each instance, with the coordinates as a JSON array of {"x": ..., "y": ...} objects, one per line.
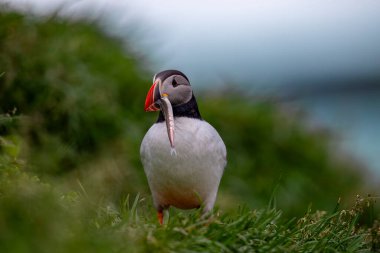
[{"x": 183, "y": 156}]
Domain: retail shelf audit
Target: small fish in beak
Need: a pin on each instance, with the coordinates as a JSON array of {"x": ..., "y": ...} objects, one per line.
[
  {"x": 155, "y": 102},
  {"x": 166, "y": 108}
]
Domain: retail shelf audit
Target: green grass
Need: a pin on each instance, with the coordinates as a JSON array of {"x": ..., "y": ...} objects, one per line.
[
  {"x": 37, "y": 217},
  {"x": 244, "y": 230},
  {"x": 42, "y": 220}
]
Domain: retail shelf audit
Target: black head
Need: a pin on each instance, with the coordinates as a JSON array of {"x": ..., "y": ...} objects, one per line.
[{"x": 167, "y": 73}]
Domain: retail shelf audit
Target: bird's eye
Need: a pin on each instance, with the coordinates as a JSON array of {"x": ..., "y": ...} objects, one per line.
[{"x": 174, "y": 83}]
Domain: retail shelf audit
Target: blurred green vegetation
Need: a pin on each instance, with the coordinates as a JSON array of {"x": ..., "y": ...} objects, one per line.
[{"x": 72, "y": 119}]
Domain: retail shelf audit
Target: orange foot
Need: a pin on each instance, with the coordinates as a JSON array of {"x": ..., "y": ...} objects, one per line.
[{"x": 160, "y": 216}]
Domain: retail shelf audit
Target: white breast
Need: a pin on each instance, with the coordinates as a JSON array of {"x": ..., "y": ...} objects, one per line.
[{"x": 190, "y": 177}]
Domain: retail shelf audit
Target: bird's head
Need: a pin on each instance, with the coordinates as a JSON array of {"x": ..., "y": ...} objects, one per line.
[
  {"x": 170, "y": 88},
  {"x": 173, "y": 85}
]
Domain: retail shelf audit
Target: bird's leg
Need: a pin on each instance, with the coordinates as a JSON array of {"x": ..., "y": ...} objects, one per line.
[
  {"x": 206, "y": 213},
  {"x": 208, "y": 206},
  {"x": 160, "y": 216},
  {"x": 167, "y": 215}
]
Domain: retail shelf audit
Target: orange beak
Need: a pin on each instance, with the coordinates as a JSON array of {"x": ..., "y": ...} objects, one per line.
[{"x": 151, "y": 97}]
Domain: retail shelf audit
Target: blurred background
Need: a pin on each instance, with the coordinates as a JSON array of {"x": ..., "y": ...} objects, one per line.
[
  {"x": 292, "y": 87},
  {"x": 320, "y": 56}
]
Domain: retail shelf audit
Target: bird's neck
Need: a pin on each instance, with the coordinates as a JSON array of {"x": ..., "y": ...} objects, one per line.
[{"x": 190, "y": 110}]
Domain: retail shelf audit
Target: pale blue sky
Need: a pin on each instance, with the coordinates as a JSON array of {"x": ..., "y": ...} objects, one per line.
[{"x": 262, "y": 42}]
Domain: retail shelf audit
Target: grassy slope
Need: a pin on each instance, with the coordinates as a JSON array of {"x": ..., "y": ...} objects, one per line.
[
  {"x": 35, "y": 217},
  {"x": 78, "y": 124}
]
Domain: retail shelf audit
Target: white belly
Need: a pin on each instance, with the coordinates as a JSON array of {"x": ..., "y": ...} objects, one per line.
[{"x": 190, "y": 177}]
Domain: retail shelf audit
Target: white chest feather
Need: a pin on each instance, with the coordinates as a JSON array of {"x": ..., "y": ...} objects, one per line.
[{"x": 192, "y": 175}]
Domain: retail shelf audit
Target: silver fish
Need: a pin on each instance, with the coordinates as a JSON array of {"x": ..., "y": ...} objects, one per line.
[{"x": 167, "y": 109}]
